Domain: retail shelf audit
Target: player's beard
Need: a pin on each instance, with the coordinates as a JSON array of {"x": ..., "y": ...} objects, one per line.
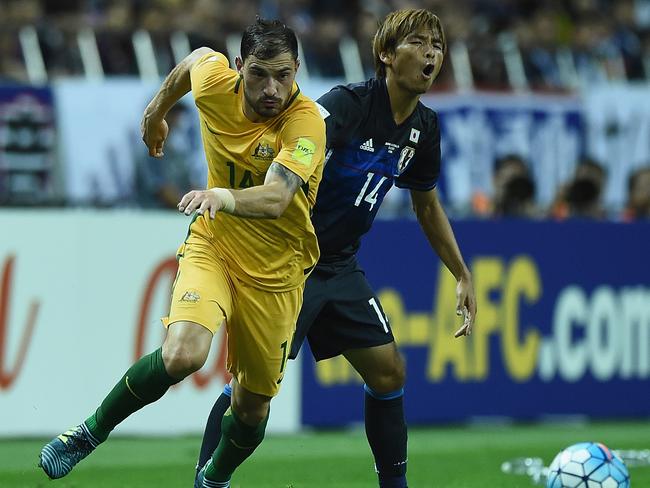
[{"x": 265, "y": 111}]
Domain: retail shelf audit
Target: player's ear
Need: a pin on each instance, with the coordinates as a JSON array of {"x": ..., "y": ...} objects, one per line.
[
  {"x": 386, "y": 57},
  {"x": 297, "y": 64},
  {"x": 239, "y": 64}
]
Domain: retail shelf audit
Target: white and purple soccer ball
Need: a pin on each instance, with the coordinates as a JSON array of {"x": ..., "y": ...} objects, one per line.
[{"x": 588, "y": 465}]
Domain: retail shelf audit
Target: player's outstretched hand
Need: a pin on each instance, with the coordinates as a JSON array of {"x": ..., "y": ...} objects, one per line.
[
  {"x": 465, "y": 305},
  {"x": 200, "y": 201},
  {"x": 154, "y": 133}
]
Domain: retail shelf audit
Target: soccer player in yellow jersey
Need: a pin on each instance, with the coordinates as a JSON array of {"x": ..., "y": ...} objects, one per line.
[
  {"x": 379, "y": 135},
  {"x": 249, "y": 248}
]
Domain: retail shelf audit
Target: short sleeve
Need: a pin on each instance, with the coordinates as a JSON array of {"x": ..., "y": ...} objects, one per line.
[
  {"x": 424, "y": 172},
  {"x": 341, "y": 109},
  {"x": 206, "y": 73},
  {"x": 302, "y": 143}
]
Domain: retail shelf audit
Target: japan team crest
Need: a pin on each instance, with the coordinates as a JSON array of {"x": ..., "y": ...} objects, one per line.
[{"x": 405, "y": 158}]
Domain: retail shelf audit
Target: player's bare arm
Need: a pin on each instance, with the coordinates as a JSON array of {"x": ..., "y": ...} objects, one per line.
[
  {"x": 267, "y": 201},
  {"x": 153, "y": 126},
  {"x": 436, "y": 227}
]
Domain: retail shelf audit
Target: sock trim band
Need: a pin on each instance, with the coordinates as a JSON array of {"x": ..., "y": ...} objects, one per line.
[
  {"x": 383, "y": 396},
  {"x": 91, "y": 438}
]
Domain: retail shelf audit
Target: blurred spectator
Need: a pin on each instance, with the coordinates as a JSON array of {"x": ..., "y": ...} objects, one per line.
[
  {"x": 627, "y": 39},
  {"x": 514, "y": 188},
  {"x": 12, "y": 68},
  {"x": 364, "y": 34},
  {"x": 538, "y": 41},
  {"x": 114, "y": 39},
  {"x": 161, "y": 183},
  {"x": 321, "y": 50},
  {"x": 203, "y": 25},
  {"x": 14, "y": 15},
  {"x": 518, "y": 198},
  {"x": 513, "y": 191},
  {"x": 582, "y": 196},
  {"x": 638, "y": 206},
  {"x": 596, "y": 56}
]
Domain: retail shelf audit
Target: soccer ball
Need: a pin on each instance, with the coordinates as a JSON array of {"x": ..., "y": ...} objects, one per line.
[{"x": 587, "y": 465}]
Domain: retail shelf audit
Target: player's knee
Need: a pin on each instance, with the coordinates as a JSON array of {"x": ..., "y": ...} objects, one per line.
[
  {"x": 251, "y": 408},
  {"x": 390, "y": 378},
  {"x": 251, "y": 414},
  {"x": 181, "y": 361}
]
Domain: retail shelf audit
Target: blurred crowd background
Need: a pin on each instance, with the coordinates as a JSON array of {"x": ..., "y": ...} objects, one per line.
[
  {"x": 560, "y": 42},
  {"x": 510, "y": 46}
]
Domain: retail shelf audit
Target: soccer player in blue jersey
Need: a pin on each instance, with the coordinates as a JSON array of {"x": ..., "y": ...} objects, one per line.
[{"x": 378, "y": 135}]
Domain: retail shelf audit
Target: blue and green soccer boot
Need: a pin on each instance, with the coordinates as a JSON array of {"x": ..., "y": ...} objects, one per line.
[
  {"x": 201, "y": 482},
  {"x": 62, "y": 453}
]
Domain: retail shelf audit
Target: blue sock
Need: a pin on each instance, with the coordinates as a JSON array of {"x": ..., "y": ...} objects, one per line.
[{"x": 387, "y": 436}]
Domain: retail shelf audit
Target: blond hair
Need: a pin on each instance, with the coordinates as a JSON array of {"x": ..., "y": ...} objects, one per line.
[{"x": 399, "y": 24}]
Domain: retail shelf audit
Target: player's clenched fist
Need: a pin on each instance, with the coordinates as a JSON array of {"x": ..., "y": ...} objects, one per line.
[
  {"x": 213, "y": 200},
  {"x": 154, "y": 133}
]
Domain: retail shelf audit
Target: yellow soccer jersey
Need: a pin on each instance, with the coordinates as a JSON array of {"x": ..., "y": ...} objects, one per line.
[{"x": 268, "y": 254}]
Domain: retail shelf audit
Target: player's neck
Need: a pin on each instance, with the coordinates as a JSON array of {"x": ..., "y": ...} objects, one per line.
[{"x": 402, "y": 102}]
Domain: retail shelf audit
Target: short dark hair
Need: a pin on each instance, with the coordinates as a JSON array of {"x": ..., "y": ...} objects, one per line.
[
  {"x": 518, "y": 193},
  {"x": 582, "y": 193},
  {"x": 634, "y": 177},
  {"x": 267, "y": 38},
  {"x": 510, "y": 158}
]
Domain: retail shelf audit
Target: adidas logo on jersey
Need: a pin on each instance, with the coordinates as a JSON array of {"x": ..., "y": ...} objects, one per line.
[{"x": 367, "y": 146}]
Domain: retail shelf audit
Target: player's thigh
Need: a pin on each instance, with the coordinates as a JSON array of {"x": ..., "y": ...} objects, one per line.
[
  {"x": 351, "y": 319},
  {"x": 313, "y": 299},
  {"x": 203, "y": 290},
  {"x": 259, "y": 337}
]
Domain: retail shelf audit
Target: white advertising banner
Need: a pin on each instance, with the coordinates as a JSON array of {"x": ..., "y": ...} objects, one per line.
[
  {"x": 477, "y": 128},
  {"x": 618, "y": 133},
  {"x": 81, "y": 294},
  {"x": 98, "y": 127},
  {"x": 99, "y": 134}
]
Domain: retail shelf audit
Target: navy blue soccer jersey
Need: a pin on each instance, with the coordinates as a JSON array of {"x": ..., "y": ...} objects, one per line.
[{"x": 367, "y": 153}]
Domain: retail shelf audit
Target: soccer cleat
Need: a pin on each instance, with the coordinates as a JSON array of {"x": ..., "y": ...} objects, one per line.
[
  {"x": 198, "y": 478},
  {"x": 62, "y": 453},
  {"x": 201, "y": 482}
]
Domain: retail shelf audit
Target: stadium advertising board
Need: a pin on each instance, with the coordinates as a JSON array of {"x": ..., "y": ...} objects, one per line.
[
  {"x": 81, "y": 294},
  {"x": 27, "y": 142},
  {"x": 563, "y": 326}
]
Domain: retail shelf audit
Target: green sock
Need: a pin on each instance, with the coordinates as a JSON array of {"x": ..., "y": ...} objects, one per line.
[
  {"x": 238, "y": 441},
  {"x": 144, "y": 383}
]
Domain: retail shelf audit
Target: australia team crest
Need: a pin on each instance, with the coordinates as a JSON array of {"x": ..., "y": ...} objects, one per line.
[{"x": 263, "y": 151}]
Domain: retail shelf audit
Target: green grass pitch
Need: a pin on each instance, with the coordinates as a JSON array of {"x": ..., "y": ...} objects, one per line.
[{"x": 461, "y": 457}]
